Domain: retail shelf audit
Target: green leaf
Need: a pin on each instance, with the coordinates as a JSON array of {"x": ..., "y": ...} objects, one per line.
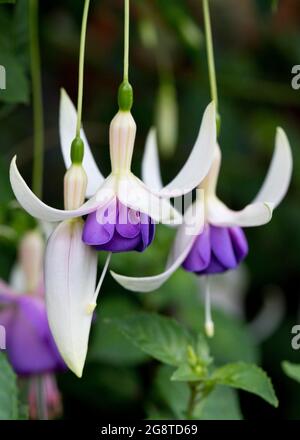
[
  {"x": 16, "y": 81},
  {"x": 232, "y": 342},
  {"x": 108, "y": 344},
  {"x": 221, "y": 404},
  {"x": 246, "y": 377},
  {"x": 291, "y": 370},
  {"x": 8, "y": 391},
  {"x": 173, "y": 394},
  {"x": 160, "y": 337},
  {"x": 14, "y": 53},
  {"x": 186, "y": 373}
]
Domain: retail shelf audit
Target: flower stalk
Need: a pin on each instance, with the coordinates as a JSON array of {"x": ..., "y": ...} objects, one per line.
[
  {"x": 81, "y": 66},
  {"x": 38, "y": 117},
  {"x": 210, "y": 57}
]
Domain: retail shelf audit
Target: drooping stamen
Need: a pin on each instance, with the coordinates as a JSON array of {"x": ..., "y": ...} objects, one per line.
[
  {"x": 209, "y": 324},
  {"x": 93, "y": 303}
]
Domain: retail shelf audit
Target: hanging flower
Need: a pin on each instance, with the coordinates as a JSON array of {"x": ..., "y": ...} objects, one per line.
[
  {"x": 217, "y": 243},
  {"x": 121, "y": 188},
  {"x": 129, "y": 197},
  {"x": 30, "y": 346}
]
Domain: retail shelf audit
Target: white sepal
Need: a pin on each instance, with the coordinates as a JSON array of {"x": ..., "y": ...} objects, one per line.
[
  {"x": 67, "y": 129},
  {"x": 70, "y": 280},
  {"x": 255, "y": 214},
  {"x": 151, "y": 175},
  {"x": 199, "y": 162},
  {"x": 187, "y": 233},
  {"x": 279, "y": 175},
  {"x": 134, "y": 194},
  {"x": 35, "y": 207}
]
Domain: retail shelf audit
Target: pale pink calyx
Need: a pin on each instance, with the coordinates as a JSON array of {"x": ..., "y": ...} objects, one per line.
[
  {"x": 31, "y": 255},
  {"x": 75, "y": 184},
  {"x": 121, "y": 139}
]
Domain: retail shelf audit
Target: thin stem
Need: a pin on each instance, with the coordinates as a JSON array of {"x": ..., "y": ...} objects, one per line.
[
  {"x": 192, "y": 400},
  {"x": 126, "y": 40},
  {"x": 81, "y": 66},
  {"x": 102, "y": 277},
  {"x": 38, "y": 117},
  {"x": 42, "y": 413},
  {"x": 210, "y": 53}
]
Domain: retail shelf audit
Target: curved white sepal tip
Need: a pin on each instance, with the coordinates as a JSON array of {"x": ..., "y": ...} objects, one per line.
[
  {"x": 279, "y": 174},
  {"x": 200, "y": 160},
  {"x": 67, "y": 130},
  {"x": 255, "y": 214}
]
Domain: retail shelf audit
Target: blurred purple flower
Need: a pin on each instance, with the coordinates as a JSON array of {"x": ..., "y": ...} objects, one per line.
[{"x": 30, "y": 345}]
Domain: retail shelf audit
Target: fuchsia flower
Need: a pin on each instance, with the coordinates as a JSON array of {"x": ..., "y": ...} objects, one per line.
[
  {"x": 120, "y": 217},
  {"x": 217, "y": 243},
  {"x": 30, "y": 345}
]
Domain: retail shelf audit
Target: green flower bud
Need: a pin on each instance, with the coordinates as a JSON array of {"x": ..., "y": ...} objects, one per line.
[
  {"x": 125, "y": 97},
  {"x": 77, "y": 151}
]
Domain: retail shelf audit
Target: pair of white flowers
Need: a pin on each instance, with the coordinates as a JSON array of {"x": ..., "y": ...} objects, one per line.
[{"x": 71, "y": 265}]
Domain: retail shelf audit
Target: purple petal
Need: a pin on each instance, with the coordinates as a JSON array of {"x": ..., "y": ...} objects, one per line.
[
  {"x": 131, "y": 231},
  {"x": 240, "y": 243},
  {"x": 120, "y": 244},
  {"x": 222, "y": 247},
  {"x": 30, "y": 345},
  {"x": 200, "y": 254},
  {"x": 217, "y": 250},
  {"x": 129, "y": 222},
  {"x": 99, "y": 226}
]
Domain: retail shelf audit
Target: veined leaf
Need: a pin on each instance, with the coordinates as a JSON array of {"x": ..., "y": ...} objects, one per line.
[
  {"x": 247, "y": 377},
  {"x": 8, "y": 391},
  {"x": 160, "y": 337}
]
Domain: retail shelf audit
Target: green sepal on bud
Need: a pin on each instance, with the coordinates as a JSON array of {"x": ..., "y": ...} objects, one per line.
[
  {"x": 77, "y": 151},
  {"x": 125, "y": 96}
]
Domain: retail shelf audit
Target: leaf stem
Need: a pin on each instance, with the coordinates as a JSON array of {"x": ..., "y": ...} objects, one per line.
[
  {"x": 192, "y": 400},
  {"x": 38, "y": 117},
  {"x": 210, "y": 53},
  {"x": 81, "y": 66}
]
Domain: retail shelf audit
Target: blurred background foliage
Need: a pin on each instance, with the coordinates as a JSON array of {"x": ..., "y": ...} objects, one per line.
[{"x": 257, "y": 42}]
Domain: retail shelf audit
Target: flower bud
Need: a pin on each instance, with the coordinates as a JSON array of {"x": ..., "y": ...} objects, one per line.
[
  {"x": 75, "y": 184},
  {"x": 122, "y": 137},
  {"x": 31, "y": 254}
]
